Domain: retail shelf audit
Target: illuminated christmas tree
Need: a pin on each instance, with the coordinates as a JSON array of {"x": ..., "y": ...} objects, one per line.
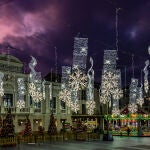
[
  {"x": 52, "y": 129},
  {"x": 8, "y": 126},
  {"x": 28, "y": 130}
]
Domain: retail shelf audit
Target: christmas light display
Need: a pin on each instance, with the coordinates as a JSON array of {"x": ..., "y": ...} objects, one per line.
[
  {"x": 35, "y": 85},
  {"x": 109, "y": 78},
  {"x": 75, "y": 107},
  {"x": 117, "y": 94},
  {"x": 90, "y": 89},
  {"x": 132, "y": 107},
  {"x": 146, "y": 85},
  {"x": 140, "y": 99},
  {"x": 50, "y": 91},
  {"x": 133, "y": 95},
  {"x": 77, "y": 80},
  {"x": 66, "y": 72},
  {"x": 43, "y": 85},
  {"x": 20, "y": 104},
  {"x": 32, "y": 89},
  {"x": 115, "y": 111},
  {"x": 1, "y": 84},
  {"x": 110, "y": 57},
  {"x": 80, "y": 53},
  {"x": 65, "y": 96},
  {"x": 21, "y": 90},
  {"x": 90, "y": 105}
]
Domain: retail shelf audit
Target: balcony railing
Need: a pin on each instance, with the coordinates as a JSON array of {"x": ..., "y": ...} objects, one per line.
[
  {"x": 24, "y": 110},
  {"x": 13, "y": 109},
  {"x": 37, "y": 110},
  {"x": 63, "y": 111}
]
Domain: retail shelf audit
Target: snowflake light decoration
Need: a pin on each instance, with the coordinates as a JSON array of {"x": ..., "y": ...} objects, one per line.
[
  {"x": 75, "y": 106},
  {"x": 117, "y": 94},
  {"x": 20, "y": 104},
  {"x": 140, "y": 101},
  {"x": 132, "y": 108},
  {"x": 115, "y": 111},
  {"x": 90, "y": 105},
  {"x": 110, "y": 78},
  {"x": 65, "y": 95},
  {"x": 77, "y": 80},
  {"x": 32, "y": 88},
  {"x": 104, "y": 99},
  {"x": 37, "y": 97}
]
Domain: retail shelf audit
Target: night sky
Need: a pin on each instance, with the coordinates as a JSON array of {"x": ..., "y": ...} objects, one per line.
[{"x": 36, "y": 27}]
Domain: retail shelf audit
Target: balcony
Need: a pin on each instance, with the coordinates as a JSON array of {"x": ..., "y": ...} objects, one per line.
[
  {"x": 4, "y": 110},
  {"x": 63, "y": 111},
  {"x": 23, "y": 110},
  {"x": 37, "y": 110}
]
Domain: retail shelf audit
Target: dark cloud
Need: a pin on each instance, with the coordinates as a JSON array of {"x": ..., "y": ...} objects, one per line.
[{"x": 35, "y": 27}]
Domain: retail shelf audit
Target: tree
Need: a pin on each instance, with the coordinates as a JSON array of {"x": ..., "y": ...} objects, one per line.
[
  {"x": 52, "y": 129},
  {"x": 8, "y": 126}
]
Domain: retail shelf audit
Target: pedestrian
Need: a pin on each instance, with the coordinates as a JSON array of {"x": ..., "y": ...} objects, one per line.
[{"x": 128, "y": 131}]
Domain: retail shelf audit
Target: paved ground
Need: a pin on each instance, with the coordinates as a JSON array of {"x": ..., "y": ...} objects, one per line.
[{"x": 119, "y": 143}]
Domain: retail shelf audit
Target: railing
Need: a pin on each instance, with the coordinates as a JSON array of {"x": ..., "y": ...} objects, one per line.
[
  {"x": 25, "y": 110},
  {"x": 13, "y": 109},
  {"x": 37, "y": 110},
  {"x": 63, "y": 111}
]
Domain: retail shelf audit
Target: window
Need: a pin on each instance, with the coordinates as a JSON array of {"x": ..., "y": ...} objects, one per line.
[
  {"x": 83, "y": 96},
  {"x": 53, "y": 103},
  {"x": 8, "y": 100},
  {"x": 63, "y": 105},
  {"x": 83, "y": 109},
  {"x": 37, "y": 105}
]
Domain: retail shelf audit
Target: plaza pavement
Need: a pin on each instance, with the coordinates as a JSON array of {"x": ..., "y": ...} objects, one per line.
[{"x": 119, "y": 143}]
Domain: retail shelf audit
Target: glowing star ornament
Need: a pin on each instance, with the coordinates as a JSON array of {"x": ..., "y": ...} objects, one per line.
[
  {"x": 90, "y": 107},
  {"x": 21, "y": 104},
  {"x": 115, "y": 111},
  {"x": 132, "y": 108},
  {"x": 77, "y": 80}
]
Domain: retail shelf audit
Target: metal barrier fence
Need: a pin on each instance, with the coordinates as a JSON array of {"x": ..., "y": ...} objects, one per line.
[{"x": 65, "y": 136}]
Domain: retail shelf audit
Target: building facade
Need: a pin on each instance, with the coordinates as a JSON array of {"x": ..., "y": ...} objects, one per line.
[{"x": 38, "y": 113}]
